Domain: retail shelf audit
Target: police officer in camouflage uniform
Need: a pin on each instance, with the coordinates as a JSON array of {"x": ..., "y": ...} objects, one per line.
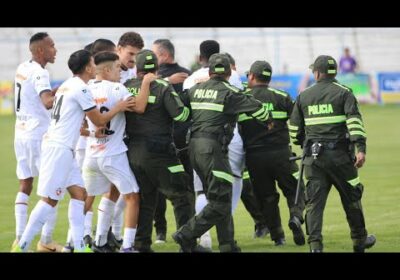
[
  {"x": 151, "y": 152},
  {"x": 215, "y": 106},
  {"x": 268, "y": 152},
  {"x": 327, "y": 122}
]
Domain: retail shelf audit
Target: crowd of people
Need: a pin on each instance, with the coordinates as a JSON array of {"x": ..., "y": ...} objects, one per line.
[{"x": 135, "y": 127}]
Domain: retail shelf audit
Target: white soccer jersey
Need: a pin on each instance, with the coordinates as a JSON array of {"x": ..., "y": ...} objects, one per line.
[
  {"x": 32, "y": 118},
  {"x": 128, "y": 74},
  {"x": 202, "y": 75},
  {"x": 73, "y": 98},
  {"x": 106, "y": 95}
]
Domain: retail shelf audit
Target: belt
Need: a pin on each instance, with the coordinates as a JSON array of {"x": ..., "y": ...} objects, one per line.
[{"x": 332, "y": 145}]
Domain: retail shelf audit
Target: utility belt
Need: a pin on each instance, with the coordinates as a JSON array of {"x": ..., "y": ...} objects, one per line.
[{"x": 315, "y": 148}]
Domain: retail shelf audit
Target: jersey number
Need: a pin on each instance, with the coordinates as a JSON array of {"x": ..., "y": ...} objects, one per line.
[
  {"x": 107, "y": 131},
  {"x": 19, "y": 97},
  {"x": 57, "y": 107}
]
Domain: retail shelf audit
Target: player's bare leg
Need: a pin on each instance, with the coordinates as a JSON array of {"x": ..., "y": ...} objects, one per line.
[{"x": 131, "y": 221}]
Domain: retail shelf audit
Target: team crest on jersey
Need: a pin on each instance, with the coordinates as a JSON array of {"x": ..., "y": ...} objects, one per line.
[
  {"x": 84, "y": 90},
  {"x": 38, "y": 77},
  {"x": 58, "y": 191}
]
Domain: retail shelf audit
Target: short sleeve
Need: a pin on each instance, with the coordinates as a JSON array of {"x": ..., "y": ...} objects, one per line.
[
  {"x": 85, "y": 99},
  {"x": 41, "y": 81}
]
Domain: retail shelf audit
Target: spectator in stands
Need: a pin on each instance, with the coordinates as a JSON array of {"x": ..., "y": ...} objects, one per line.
[{"x": 347, "y": 64}]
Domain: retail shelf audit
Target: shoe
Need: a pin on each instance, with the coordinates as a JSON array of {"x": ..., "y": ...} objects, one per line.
[
  {"x": 114, "y": 243},
  {"x": 161, "y": 238},
  {"x": 368, "y": 243},
  {"x": 230, "y": 248},
  {"x": 88, "y": 240},
  {"x": 260, "y": 231},
  {"x": 280, "y": 241},
  {"x": 128, "y": 250},
  {"x": 52, "y": 247},
  {"x": 15, "y": 243},
  {"x": 186, "y": 245},
  {"x": 298, "y": 235},
  {"x": 201, "y": 249},
  {"x": 106, "y": 248},
  {"x": 67, "y": 249},
  {"x": 316, "y": 251},
  {"x": 16, "y": 249},
  {"x": 85, "y": 249},
  {"x": 205, "y": 240}
]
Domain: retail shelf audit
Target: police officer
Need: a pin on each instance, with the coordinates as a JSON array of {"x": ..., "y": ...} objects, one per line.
[
  {"x": 215, "y": 105},
  {"x": 151, "y": 152},
  {"x": 327, "y": 122},
  {"x": 175, "y": 74},
  {"x": 267, "y": 155}
]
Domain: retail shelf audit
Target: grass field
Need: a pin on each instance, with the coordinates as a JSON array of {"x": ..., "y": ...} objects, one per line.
[{"x": 381, "y": 200}]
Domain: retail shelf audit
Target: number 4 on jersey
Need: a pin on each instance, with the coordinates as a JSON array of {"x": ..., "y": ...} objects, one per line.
[{"x": 56, "y": 108}]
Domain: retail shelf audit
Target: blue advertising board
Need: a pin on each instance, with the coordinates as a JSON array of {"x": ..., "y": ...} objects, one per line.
[{"x": 389, "y": 87}]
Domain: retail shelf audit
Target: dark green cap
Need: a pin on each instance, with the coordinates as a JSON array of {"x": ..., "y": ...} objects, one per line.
[
  {"x": 325, "y": 64},
  {"x": 261, "y": 67},
  {"x": 219, "y": 64},
  {"x": 146, "y": 61}
]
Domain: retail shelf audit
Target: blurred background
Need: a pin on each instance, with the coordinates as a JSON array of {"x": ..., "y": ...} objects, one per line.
[{"x": 290, "y": 51}]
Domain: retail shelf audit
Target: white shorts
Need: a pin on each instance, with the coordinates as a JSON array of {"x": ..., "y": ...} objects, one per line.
[
  {"x": 236, "y": 157},
  {"x": 27, "y": 153},
  {"x": 58, "y": 171},
  {"x": 99, "y": 172},
  {"x": 80, "y": 157}
]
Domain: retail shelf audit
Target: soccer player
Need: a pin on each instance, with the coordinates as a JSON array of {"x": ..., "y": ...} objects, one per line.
[
  {"x": 95, "y": 47},
  {"x": 58, "y": 170},
  {"x": 106, "y": 159},
  {"x": 33, "y": 99}
]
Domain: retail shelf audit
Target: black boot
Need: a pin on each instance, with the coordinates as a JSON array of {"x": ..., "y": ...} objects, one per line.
[
  {"x": 298, "y": 235},
  {"x": 368, "y": 243}
]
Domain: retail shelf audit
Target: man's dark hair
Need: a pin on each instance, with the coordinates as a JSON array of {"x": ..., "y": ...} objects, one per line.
[
  {"x": 78, "y": 61},
  {"x": 105, "y": 57},
  {"x": 231, "y": 59},
  {"x": 38, "y": 37},
  {"x": 131, "y": 39},
  {"x": 101, "y": 45},
  {"x": 208, "y": 48},
  {"x": 166, "y": 45},
  {"x": 88, "y": 47}
]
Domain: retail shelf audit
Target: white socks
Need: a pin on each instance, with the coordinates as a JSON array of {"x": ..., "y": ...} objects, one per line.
[
  {"x": 87, "y": 228},
  {"x": 88, "y": 223},
  {"x": 129, "y": 237},
  {"x": 236, "y": 192},
  {"x": 76, "y": 222},
  {"x": 118, "y": 219},
  {"x": 201, "y": 202},
  {"x": 36, "y": 221},
  {"x": 69, "y": 238},
  {"x": 48, "y": 229},
  {"x": 104, "y": 216},
  {"x": 21, "y": 213}
]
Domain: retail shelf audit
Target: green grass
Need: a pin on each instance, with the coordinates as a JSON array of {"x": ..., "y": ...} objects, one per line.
[{"x": 381, "y": 200}]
